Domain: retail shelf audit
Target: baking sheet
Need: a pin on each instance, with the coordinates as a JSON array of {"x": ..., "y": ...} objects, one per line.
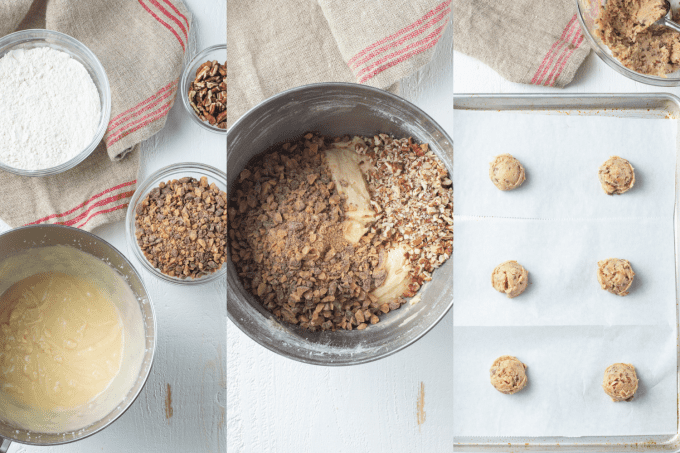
[
  {"x": 558, "y": 225},
  {"x": 561, "y": 155}
]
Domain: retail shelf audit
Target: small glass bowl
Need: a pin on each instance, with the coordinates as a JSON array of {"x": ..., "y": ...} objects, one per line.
[
  {"x": 30, "y": 39},
  {"x": 217, "y": 52},
  {"x": 588, "y": 12},
  {"x": 175, "y": 171}
]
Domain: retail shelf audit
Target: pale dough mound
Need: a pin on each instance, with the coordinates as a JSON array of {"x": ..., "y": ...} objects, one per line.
[
  {"x": 510, "y": 278},
  {"x": 506, "y": 172},
  {"x": 615, "y": 275},
  {"x": 627, "y": 28},
  {"x": 620, "y": 381},
  {"x": 508, "y": 375},
  {"x": 616, "y": 175}
]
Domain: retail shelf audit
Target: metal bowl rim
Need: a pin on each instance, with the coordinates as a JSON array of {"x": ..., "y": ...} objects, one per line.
[
  {"x": 371, "y": 90},
  {"x": 155, "y": 335}
]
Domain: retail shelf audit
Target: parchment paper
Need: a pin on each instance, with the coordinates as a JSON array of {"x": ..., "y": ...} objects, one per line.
[
  {"x": 561, "y": 155},
  {"x": 561, "y": 257},
  {"x": 564, "y": 396},
  {"x": 558, "y": 225}
]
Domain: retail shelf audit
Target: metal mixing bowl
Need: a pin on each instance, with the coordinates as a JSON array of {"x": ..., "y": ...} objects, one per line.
[
  {"x": 126, "y": 290},
  {"x": 336, "y": 109}
]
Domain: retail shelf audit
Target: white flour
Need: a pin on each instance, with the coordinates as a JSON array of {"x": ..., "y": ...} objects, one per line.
[{"x": 49, "y": 108}]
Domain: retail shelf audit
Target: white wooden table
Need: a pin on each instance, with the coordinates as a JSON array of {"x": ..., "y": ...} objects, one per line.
[
  {"x": 191, "y": 347},
  {"x": 278, "y": 405},
  {"x": 594, "y": 76}
]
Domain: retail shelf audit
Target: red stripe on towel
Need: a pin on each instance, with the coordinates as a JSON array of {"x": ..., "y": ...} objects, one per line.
[
  {"x": 561, "y": 49},
  {"x": 400, "y": 32},
  {"x": 112, "y": 129},
  {"x": 402, "y": 40},
  {"x": 100, "y": 203},
  {"x": 165, "y": 24},
  {"x": 559, "y": 42},
  {"x": 161, "y": 114},
  {"x": 105, "y": 211},
  {"x": 171, "y": 17},
  {"x": 399, "y": 60},
  {"x": 565, "y": 57},
  {"x": 129, "y": 183},
  {"x": 174, "y": 8},
  {"x": 144, "y": 101},
  {"x": 428, "y": 38}
]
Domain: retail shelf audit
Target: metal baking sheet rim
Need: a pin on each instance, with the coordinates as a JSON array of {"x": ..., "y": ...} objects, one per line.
[{"x": 655, "y": 105}]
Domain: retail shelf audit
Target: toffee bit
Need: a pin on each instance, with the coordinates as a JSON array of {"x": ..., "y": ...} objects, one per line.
[{"x": 181, "y": 227}]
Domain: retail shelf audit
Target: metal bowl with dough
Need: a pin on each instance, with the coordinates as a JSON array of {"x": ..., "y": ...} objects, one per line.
[
  {"x": 336, "y": 109},
  {"x": 43, "y": 248}
]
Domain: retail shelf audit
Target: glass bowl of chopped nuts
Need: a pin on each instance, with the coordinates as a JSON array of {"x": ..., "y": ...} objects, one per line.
[
  {"x": 204, "y": 89},
  {"x": 176, "y": 223}
]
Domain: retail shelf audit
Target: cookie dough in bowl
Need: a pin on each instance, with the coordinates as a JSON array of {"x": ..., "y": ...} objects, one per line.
[
  {"x": 616, "y": 175},
  {"x": 620, "y": 382},
  {"x": 627, "y": 28},
  {"x": 615, "y": 275},
  {"x": 510, "y": 278},
  {"x": 508, "y": 374},
  {"x": 506, "y": 172}
]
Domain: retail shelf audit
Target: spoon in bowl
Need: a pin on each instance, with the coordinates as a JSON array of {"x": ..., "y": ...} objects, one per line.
[{"x": 667, "y": 19}]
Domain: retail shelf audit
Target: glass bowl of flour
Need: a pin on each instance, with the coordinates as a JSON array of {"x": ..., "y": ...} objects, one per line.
[{"x": 56, "y": 102}]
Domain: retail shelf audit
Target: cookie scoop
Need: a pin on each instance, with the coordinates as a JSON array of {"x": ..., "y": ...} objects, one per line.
[
  {"x": 666, "y": 20},
  {"x": 620, "y": 382},
  {"x": 506, "y": 172},
  {"x": 616, "y": 175},
  {"x": 615, "y": 275},
  {"x": 510, "y": 278},
  {"x": 508, "y": 375}
]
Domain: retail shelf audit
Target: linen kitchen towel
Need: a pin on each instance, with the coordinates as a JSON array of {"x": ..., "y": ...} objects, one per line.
[
  {"x": 537, "y": 42},
  {"x": 141, "y": 44},
  {"x": 274, "y": 45}
]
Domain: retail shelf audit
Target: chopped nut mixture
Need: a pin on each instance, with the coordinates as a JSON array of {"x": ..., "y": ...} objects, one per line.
[
  {"x": 413, "y": 197},
  {"x": 287, "y": 238},
  {"x": 630, "y": 31},
  {"x": 208, "y": 93},
  {"x": 181, "y": 227}
]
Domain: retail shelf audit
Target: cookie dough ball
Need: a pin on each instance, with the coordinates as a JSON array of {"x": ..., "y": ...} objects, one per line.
[
  {"x": 510, "y": 278},
  {"x": 615, "y": 275},
  {"x": 508, "y": 375},
  {"x": 506, "y": 172},
  {"x": 616, "y": 175},
  {"x": 620, "y": 381}
]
